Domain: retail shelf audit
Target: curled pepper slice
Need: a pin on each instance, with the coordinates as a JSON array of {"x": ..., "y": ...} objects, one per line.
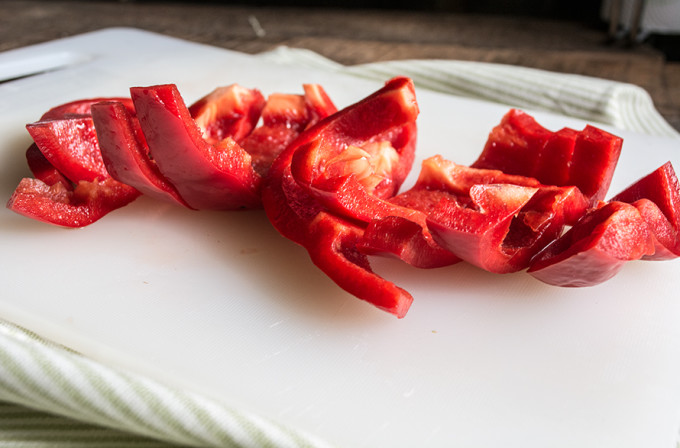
[
  {"x": 493, "y": 220},
  {"x": 62, "y": 205},
  {"x": 72, "y": 187},
  {"x": 301, "y": 200},
  {"x": 126, "y": 154},
  {"x": 230, "y": 111},
  {"x": 216, "y": 176},
  {"x": 596, "y": 248},
  {"x": 521, "y": 146},
  {"x": 657, "y": 197},
  {"x": 640, "y": 223}
]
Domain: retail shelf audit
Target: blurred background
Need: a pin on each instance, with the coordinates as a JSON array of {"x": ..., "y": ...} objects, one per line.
[{"x": 635, "y": 41}]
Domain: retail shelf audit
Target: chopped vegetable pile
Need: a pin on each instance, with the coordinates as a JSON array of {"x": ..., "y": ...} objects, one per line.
[{"x": 329, "y": 180}]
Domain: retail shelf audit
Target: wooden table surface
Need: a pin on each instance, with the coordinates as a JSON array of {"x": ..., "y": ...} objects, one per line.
[{"x": 353, "y": 36}]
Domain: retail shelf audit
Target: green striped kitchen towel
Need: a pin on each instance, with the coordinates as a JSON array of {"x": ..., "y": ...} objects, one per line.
[
  {"x": 625, "y": 106},
  {"x": 53, "y": 397}
]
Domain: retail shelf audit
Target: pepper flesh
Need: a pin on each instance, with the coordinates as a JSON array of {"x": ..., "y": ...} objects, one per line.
[
  {"x": 296, "y": 195},
  {"x": 212, "y": 152},
  {"x": 207, "y": 176},
  {"x": 77, "y": 190},
  {"x": 126, "y": 154},
  {"x": 641, "y": 222},
  {"x": 493, "y": 220},
  {"x": 596, "y": 248},
  {"x": 521, "y": 146},
  {"x": 60, "y": 205}
]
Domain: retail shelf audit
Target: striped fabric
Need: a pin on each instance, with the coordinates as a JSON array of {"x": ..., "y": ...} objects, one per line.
[
  {"x": 624, "y": 106},
  {"x": 51, "y": 396},
  {"x": 120, "y": 409}
]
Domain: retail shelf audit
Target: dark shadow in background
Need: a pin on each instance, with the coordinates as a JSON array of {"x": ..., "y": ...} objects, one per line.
[
  {"x": 587, "y": 12},
  {"x": 581, "y": 10}
]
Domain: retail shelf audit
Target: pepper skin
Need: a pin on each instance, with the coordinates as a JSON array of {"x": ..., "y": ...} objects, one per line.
[
  {"x": 126, "y": 155},
  {"x": 521, "y": 146},
  {"x": 297, "y": 192}
]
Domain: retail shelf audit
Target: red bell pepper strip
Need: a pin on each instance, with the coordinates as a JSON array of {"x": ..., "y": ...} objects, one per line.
[
  {"x": 219, "y": 177},
  {"x": 374, "y": 145},
  {"x": 72, "y": 187},
  {"x": 81, "y": 107},
  {"x": 596, "y": 248},
  {"x": 60, "y": 205},
  {"x": 488, "y": 218},
  {"x": 284, "y": 117},
  {"x": 657, "y": 197},
  {"x": 407, "y": 240},
  {"x": 332, "y": 245},
  {"x": 521, "y": 146},
  {"x": 302, "y": 215},
  {"x": 222, "y": 174},
  {"x": 641, "y": 222},
  {"x": 231, "y": 111},
  {"x": 42, "y": 169},
  {"x": 126, "y": 155},
  {"x": 515, "y": 145},
  {"x": 319, "y": 104},
  {"x": 70, "y": 145}
]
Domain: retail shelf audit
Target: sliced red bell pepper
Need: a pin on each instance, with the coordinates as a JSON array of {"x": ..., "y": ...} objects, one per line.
[
  {"x": 70, "y": 145},
  {"x": 641, "y": 222},
  {"x": 72, "y": 187},
  {"x": 586, "y": 159},
  {"x": 126, "y": 155},
  {"x": 596, "y": 248},
  {"x": 374, "y": 145},
  {"x": 231, "y": 111},
  {"x": 207, "y": 176},
  {"x": 490, "y": 219},
  {"x": 284, "y": 117},
  {"x": 42, "y": 169},
  {"x": 332, "y": 245},
  {"x": 657, "y": 197},
  {"x": 515, "y": 145},
  {"x": 406, "y": 240},
  {"x": 60, "y": 205},
  {"x": 301, "y": 214},
  {"x": 82, "y": 107},
  {"x": 319, "y": 104},
  {"x": 224, "y": 171}
]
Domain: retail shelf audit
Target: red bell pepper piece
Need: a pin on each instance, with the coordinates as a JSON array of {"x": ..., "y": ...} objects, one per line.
[
  {"x": 221, "y": 166},
  {"x": 42, "y": 169},
  {"x": 319, "y": 104},
  {"x": 126, "y": 155},
  {"x": 657, "y": 197},
  {"x": 332, "y": 244},
  {"x": 81, "y": 107},
  {"x": 373, "y": 146},
  {"x": 72, "y": 187},
  {"x": 61, "y": 205},
  {"x": 231, "y": 111},
  {"x": 70, "y": 145},
  {"x": 284, "y": 117},
  {"x": 596, "y": 248},
  {"x": 488, "y": 218},
  {"x": 641, "y": 222},
  {"x": 586, "y": 159},
  {"x": 407, "y": 240},
  {"x": 206, "y": 176},
  {"x": 515, "y": 145},
  {"x": 299, "y": 210}
]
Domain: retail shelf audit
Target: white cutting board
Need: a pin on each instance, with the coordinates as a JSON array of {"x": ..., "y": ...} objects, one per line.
[{"x": 220, "y": 304}]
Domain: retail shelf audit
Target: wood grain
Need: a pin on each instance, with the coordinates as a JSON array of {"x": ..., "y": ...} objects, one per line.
[{"x": 354, "y": 36}]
